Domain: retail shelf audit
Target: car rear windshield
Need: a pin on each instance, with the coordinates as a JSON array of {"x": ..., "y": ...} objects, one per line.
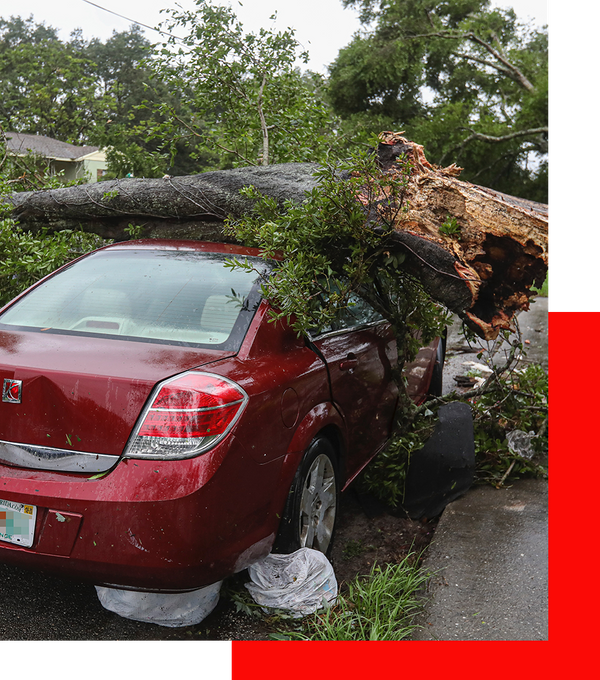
[{"x": 166, "y": 296}]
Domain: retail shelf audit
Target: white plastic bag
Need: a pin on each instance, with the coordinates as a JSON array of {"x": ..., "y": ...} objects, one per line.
[
  {"x": 300, "y": 583},
  {"x": 165, "y": 609},
  {"x": 519, "y": 442}
]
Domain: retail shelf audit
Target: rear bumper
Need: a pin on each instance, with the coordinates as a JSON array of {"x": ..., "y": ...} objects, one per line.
[{"x": 149, "y": 525}]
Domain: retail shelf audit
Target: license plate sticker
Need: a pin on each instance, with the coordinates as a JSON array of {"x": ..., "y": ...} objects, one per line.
[{"x": 17, "y": 523}]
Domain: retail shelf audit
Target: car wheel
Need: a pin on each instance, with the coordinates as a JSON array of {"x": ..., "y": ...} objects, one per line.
[{"x": 311, "y": 508}]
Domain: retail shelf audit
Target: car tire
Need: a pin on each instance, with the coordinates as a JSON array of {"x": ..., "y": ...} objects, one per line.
[{"x": 312, "y": 504}]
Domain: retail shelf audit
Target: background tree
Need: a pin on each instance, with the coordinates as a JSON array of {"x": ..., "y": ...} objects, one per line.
[
  {"x": 467, "y": 82},
  {"x": 123, "y": 67},
  {"x": 119, "y": 70},
  {"x": 81, "y": 92},
  {"x": 48, "y": 87}
]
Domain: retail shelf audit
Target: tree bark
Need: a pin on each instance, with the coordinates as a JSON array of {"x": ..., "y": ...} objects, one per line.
[
  {"x": 484, "y": 273},
  {"x": 189, "y": 201}
]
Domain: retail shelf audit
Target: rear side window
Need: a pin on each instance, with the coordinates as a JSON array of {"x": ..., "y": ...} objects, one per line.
[
  {"x": 166, "y": 296},
  {"x": 355, "y": 314}
]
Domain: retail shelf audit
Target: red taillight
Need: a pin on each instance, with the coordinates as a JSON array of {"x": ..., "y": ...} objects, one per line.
[
  {"x": 182, "y": 424},
  {"x": 197, "y": 390},
  {"x": 188, "y": 415}
]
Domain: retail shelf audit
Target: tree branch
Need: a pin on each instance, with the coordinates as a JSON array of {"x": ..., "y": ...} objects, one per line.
[
  {"x": 481, "y": 389},
  {"x": 263, "y": 123},
  {"x": 491, "y": 138},
  {"x": 517, "y": 75},
  {"x": 508, "y": 68},
  {"x": 504, "y": 138}
]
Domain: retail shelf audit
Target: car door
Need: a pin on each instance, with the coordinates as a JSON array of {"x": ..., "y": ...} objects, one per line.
[{"x": 360, "y": 352}]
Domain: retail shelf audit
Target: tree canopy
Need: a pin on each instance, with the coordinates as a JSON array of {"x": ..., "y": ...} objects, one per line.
[
  {"x": 466, "y": 81},
  {"x": 77, "y": 91},
  {"x": 48, "y": 87}
]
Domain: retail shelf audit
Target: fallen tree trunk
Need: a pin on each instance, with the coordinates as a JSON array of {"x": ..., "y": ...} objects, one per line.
[
  {"x": 483, "y": 271},
  {"x": 194, "y": 205}
]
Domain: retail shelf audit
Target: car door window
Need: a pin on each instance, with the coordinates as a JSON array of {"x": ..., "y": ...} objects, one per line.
[{"x": 357, "y": 313}]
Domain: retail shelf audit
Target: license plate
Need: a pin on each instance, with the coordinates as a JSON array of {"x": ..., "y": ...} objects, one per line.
[{"x": 17, "y": 523}]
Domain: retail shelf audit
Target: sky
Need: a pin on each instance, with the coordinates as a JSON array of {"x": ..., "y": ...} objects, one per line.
[{"x": 322, "y": 26}]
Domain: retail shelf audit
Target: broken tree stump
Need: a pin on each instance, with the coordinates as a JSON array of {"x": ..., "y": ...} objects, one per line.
[{"x": 498, "y": 251}]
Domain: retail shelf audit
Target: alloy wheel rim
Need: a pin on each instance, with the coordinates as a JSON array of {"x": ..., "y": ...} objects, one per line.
[{"x": 318, "y": 505}]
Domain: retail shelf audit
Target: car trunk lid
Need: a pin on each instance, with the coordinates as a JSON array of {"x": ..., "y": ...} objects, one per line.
[{"x": 83, "y": 393}]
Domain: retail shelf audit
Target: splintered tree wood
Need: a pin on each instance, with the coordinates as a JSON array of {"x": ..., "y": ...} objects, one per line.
[
  {"x": 499, "y": 249},
  {"x": 483, "y": 273}
]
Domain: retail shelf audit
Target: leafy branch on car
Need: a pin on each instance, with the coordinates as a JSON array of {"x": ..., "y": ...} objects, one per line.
[{"x": 338, "y": 244}]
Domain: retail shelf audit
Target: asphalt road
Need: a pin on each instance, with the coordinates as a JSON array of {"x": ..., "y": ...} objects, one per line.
[{"x": 41, "y": 607}]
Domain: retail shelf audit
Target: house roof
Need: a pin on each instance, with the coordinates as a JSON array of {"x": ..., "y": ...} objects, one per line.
[{"x": 20, "y": 144}]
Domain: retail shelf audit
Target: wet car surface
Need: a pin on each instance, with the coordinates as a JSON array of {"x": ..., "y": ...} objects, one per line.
[{"x": 158, "y": 433}]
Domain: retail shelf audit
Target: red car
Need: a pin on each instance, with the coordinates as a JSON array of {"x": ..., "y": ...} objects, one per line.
[{"x": 158, "y": 433}]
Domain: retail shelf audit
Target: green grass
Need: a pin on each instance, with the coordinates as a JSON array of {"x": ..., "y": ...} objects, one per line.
[
  {"x": 543, "y": 291},
  {"x": 379, "y": 606}
]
